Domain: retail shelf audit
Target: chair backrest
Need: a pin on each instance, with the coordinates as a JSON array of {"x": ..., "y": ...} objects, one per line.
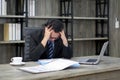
[{"x": 27, "y": 32}]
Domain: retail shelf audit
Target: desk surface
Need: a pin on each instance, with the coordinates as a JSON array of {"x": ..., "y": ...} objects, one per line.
[{"x": 8, "y": 72}]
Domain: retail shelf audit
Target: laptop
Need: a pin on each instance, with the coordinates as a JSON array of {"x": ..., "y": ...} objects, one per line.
[{"x": 94, "y": 61}]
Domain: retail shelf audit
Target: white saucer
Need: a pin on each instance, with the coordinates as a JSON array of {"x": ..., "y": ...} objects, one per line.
[{"x": 17, "y": 64}]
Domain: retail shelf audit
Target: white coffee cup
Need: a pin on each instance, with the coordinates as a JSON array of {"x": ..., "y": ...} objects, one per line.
[{"x": 16, "y": 60}]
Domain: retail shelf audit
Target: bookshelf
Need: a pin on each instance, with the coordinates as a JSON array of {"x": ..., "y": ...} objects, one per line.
[
  {"x": 81, "y": 25},
  {"x": 11, "y": 12}
]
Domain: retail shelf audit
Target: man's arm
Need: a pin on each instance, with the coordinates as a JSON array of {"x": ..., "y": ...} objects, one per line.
[
  {"x": 64, "y": 39},
  {"x": 46, "y": 35},
  {"x": 36, "y": 48},
  {"x": 67, "y": 51}
]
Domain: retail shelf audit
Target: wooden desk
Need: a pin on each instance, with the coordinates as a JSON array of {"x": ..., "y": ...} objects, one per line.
[{"x": 108, "y": 69}]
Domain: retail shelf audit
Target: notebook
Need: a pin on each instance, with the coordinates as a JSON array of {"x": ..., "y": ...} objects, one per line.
[{"x": 95, "y": 60}]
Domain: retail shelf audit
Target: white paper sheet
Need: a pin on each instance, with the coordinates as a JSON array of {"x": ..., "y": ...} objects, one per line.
[{"x": 57, "y": 64}]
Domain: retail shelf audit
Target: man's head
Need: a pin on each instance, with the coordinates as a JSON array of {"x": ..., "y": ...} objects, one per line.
[{"x": 57, "y": 27}]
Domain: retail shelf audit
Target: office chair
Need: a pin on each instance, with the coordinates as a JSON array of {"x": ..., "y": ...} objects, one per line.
[{"x": 28, "y": 42}]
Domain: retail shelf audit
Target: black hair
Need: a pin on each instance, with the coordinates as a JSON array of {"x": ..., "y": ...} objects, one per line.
[{"x": 56, "y": 24}]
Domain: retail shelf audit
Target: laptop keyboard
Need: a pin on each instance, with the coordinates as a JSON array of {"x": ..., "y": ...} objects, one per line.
[{"x": 91, "y": 60}]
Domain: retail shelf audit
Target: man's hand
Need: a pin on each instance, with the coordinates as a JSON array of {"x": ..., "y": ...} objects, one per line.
[
  {"x": 47, "y": 33},
  {"x": 64, "y": 39}
]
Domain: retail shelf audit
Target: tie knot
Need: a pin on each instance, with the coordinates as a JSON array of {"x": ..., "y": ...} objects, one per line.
[{"x": 50, "y": 43}]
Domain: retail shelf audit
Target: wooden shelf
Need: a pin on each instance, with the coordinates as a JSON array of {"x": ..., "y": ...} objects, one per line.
[
  {"x": 48, "y": 17},
  {"x": 11, "y": 42},
  {"x": 62, "y": 17},
  {"x": 53, "y": 17},
  {"x": 88, "y": 39},
  {"x": 75, "y": 39},
  {"x": 11, "y": 16},
  {"x": 91, "y": 18}
]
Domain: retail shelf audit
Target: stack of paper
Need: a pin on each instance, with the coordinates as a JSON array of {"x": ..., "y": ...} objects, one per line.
[{"x": 56, "y": 65}]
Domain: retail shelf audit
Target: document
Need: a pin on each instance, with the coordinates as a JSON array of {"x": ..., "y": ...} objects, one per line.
[
  {"x": 45, "y": 61},
  {"x": 56, "y": 65}
]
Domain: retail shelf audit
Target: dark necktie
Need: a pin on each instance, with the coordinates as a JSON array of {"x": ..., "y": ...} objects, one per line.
[{"x": 51, "y": 48}]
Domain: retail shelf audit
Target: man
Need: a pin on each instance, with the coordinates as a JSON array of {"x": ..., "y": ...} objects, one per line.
[{"x": 52, "y": 34}]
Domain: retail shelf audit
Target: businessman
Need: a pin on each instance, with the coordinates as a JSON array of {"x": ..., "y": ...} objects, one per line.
[{"x": 50, "y": 42}]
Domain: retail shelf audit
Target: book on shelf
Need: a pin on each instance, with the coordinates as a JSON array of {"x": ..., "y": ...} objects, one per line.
[
  {"x": 1, "y": 30},
  {"x": 3, "y": 7},
  {"x": 12, "y": 31},
  {"x": 8, "y": 31},
  {"x": 0, "y": 7},
  {"x": 17, "y": 31},
  {"x": 31, "y": 7},
  {"x": 11, "y": 7}
]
